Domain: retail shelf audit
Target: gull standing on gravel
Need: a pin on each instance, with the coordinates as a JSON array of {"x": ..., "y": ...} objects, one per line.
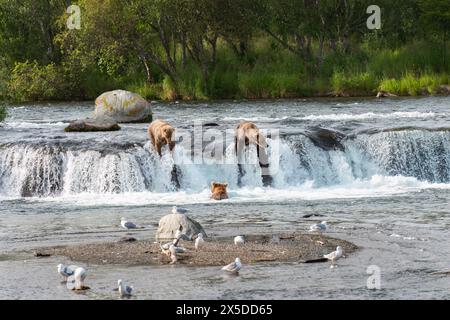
[
  {"x": 239, "y": 240},
  {"x": 233, "y": 267},
  {"x": 173, "y": 254},
  {"x": 318, "y": 227},
  {"x": 124, "y": 290},
  {"x": 127, "y": 224},
  {"x": 199, "y": 240},
  {"x": 66, "y": 271},
  {"x": 179, "y": 210},
  {"x": 80, "y": 275},
  {"x": 335, "y": 255}
]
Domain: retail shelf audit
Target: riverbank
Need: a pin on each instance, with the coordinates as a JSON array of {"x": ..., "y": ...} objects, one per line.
[{"x": 289, "y": 247}]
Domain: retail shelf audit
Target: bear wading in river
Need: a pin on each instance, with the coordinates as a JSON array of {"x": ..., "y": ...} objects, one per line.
[
  {"x": 160, "y": 133},
  {"x": 247, "y": 133},
  {"x": 219, "y": 191}
]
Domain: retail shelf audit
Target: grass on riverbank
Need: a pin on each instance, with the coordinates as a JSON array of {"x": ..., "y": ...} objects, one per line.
[{"x": 266, "y": 72}]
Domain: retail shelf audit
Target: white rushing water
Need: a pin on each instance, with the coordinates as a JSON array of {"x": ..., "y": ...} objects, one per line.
[{"x": 376, "y": 164}]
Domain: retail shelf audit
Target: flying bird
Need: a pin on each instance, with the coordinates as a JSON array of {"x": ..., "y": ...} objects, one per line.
[{"x": 233, "y": 267}]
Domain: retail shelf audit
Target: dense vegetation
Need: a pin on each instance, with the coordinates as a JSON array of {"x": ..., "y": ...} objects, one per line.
[
  {"x": 209, "y": 49},
  {"x": 2, "y": 113}
]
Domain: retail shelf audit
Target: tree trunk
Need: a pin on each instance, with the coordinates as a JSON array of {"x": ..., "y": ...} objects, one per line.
[{"x": 147, "y": 69}]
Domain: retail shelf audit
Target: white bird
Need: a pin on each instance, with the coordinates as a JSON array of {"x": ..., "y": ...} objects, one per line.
[
  {"x": 199, "y": 240},
  {"x": 80, "y": 275},
  {"x": 335, "y": 255},
  {"x": 66, "y": 271},
  {"x": 318, "y": 227},
  {"x": 127, "y": 224},
  {"x": 233, "y": 267},
  {"x": 239, "y": 240},
  {"x": 124, "y": 290},
  {"x": 173, "y": 254},
  {"x": 179, "y": 210}
]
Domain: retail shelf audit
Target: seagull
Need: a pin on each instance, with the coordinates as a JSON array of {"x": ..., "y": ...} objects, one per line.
[
  {"x": 165, "y": 247},
  {"x": 173, "y": 254},
  {"x": 199, "y": 240},
  {"x": 333, "y": 256},
  {"x": 239, "y": 240},
  {"x": 124, "y": 290},
  {"x": 179, "y": 210},
  {"x": 233, "y": 267},
  {"x": 127, "y": 224},
  {"x": 80, "y": 275},
  {"x": 318, "y": 227},
  {"x": 66, "y": 271}
]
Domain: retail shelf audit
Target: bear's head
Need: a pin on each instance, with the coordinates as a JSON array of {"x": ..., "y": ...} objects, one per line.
[
  {"x": 219, "y": 191},
  {"x": 168, "y": 132}
]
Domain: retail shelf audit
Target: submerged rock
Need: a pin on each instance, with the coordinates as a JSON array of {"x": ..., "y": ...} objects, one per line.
[
  {"x": 123, "y": 106},
  {"x": 326, "y": 139},
  {"x": 92, "y": 125},
  {"x": 169, "y": 224}
]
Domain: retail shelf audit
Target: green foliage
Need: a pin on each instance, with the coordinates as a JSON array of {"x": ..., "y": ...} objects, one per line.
[
  {"x": 209, "y": 49},
  {"x": 414, "y": 85},
  {"x": 359, "y": 84},
  {"x": 32, "y": 82},
  {"x": 3, "y": 113}
]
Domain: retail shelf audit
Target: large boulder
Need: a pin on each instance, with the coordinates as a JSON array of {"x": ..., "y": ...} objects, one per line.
[
  {"x": 92, "y": 125},
  {"x": 169, "y": 224},
  {"x": 123, "y": 106}
]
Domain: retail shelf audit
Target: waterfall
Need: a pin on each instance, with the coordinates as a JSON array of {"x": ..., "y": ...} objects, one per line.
[{"x": 33, "y": 169}]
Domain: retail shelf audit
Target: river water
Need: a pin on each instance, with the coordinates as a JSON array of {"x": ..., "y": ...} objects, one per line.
[{"x": 382, "y": 182}]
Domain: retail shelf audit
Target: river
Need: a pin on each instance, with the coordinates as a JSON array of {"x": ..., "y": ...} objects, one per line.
[{"x": 383, "y": 184}]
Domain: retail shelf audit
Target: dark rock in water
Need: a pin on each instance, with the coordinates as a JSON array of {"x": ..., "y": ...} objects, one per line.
[
  {"x": 316, "y": 260},
  {"x": 127, "y": 239},
  {"x": 175, "y": 176},
  {"x": 41, "y": 254},
  {"x": 313, "y": 215},
  {"x": 92, "y": 125},
  {"x": 385, "y": 94},
  {"x": 211, "y": 124},
  {"x": 326, "y": 139}
]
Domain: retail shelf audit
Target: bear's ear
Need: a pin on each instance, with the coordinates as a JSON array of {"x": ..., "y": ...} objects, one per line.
[
  {"x": 225, "y": 185},
  {"x": 213, "y": 184}
]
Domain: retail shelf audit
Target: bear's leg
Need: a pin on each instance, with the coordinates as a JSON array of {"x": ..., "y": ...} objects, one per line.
[{"x": 158, "y": 148}]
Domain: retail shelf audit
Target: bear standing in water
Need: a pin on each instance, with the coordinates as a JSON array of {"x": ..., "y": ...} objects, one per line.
[
  {"x": 160, "y": 133},
  {"x": 219, "y": 191},
  {"x": 247, "y": 133}
]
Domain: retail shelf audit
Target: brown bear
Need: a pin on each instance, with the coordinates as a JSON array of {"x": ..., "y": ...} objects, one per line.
[
  {"x": 160, "y": 133},
  {"x": 219, "y": 191},
  {"x": 247, "y": 133}
]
